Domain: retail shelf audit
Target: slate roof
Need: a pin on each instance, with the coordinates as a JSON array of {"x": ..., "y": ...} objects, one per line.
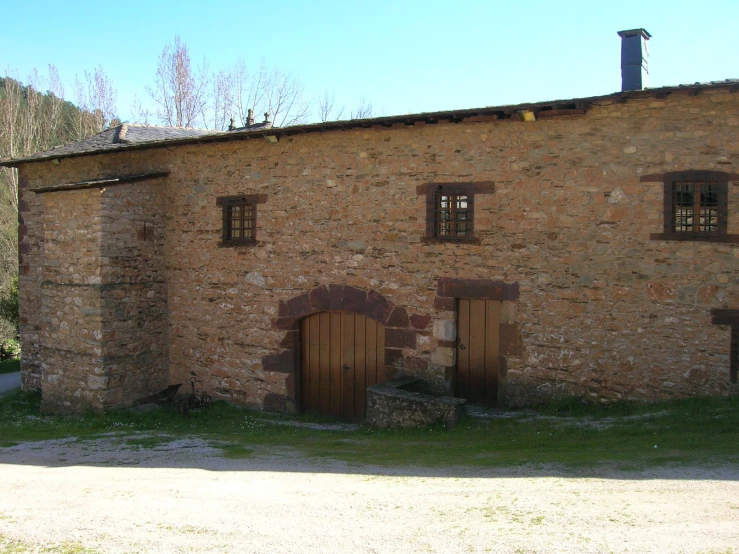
[
  {"x": 126, "y": 135},
  {"x": 129, "y": 135}
]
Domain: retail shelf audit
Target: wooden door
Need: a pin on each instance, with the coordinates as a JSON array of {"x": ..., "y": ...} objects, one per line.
[
  {"x": 478, "y": 330},
  {"x": 341, "y": 355}
]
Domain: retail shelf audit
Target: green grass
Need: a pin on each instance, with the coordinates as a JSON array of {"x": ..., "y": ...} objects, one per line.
[
  {"x": 566, "y": 433},
  {"x": 10, "y": 366}
]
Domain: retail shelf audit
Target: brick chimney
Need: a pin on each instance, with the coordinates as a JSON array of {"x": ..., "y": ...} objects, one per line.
[{"x": 634, "y": 56}]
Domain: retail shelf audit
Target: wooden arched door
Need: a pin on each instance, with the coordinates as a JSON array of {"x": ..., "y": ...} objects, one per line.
[{"x": 341, "y": 355}]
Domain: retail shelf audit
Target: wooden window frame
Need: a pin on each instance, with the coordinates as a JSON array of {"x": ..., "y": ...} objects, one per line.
[
  {"x": 227, "y": 203},
  {"x": 434, "y": 192},
  {"x": 698, "y": 178},
  {"x": 459, "y": 223},
  {"x": 724, "y": 316}
]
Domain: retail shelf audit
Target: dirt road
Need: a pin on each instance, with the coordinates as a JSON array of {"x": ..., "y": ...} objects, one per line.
[{"x": 185, "y": 497}]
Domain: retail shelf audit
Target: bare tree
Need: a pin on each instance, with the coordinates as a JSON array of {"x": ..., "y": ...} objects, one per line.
[
  {"x": 29, "y": 120},
  {"x": 96, "y": 99},
  {"x": 180, "y": 92},
  {"x": 223, "y": 88},
  {"x": 12, "y": 129},
  {"x": 267, "y": 90},
  {"x": 363, "y": 111},
  {"x": 140, "y": 113},
  {"x": 186, "y": 97},
  {"x": 285, "y": 102},
  {"x": 247, "y": 91},
  {"x": 54, "y": 107},
  {"x": 326, "y": 108}
]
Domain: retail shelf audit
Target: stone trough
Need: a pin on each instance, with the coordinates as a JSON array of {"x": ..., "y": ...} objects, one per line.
[{"x": 406, "y": 402}]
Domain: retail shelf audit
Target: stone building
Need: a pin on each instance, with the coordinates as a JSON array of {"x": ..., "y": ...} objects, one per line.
[{"x": 586, "y": 247}]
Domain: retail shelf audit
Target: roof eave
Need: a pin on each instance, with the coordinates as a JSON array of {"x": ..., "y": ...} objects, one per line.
[{"x": 571, "y": 106}]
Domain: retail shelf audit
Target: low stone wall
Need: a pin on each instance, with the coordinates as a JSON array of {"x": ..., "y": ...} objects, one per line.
[{"x": 396, "y": 403}]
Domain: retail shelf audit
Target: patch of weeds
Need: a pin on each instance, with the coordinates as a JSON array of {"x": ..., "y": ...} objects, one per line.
[
  {"x": 10, "y": 546},
  {"x": 69, "y": 548},
  {"x": 148, "y": 441},
  {"x": 193, "y": 530},
  {"x": 10, "y": 366},
  {"x": 690, "y": 431},
  {"x": 235, "y": 451}
]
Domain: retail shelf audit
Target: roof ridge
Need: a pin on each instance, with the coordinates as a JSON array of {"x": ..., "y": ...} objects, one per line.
[{"x": 149, "y": 126}]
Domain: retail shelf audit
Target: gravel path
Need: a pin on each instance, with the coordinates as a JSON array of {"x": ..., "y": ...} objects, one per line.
[
  {"x": 185, "y": 497},
  {"x": 9, "y": 382}
]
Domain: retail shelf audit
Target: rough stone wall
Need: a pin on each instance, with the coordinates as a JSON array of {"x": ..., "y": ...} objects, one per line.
[
  {"x": 134, "y": 293},
  {"x": 394, "y": 404},
  {"x": 101, "y": 312},
  {"x": 30, "y": 268},
  {"x": 603, "y": 312},
  {"x": 73, "y": 373}
]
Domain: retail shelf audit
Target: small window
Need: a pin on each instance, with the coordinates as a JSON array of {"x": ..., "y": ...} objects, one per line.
[
  {"x": 450, "y": 210},
  {"x": 453, "y": 217},
  {"x": 695, "y": 206},
  {"x": 240, "y": 222},
  {"x": 239, "y": 219}
]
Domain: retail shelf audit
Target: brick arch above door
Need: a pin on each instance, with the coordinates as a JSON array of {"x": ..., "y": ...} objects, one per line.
[
  {"x": 342, "y": 298},
  {"x": 401, "y": 329}
]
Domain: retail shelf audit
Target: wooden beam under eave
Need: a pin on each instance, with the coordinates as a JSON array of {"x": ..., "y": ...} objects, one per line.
[
  {"x": 557, "y": 113},
  {"x": 101, "y": 183},
  {"x": 480, "y": 118}
]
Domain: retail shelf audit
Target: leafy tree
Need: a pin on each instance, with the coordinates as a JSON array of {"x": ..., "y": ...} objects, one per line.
[{"x": 9, "y": 303}]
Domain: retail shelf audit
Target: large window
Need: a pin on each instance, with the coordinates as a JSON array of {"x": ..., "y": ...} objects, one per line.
[{"x": 695, "y": 206}]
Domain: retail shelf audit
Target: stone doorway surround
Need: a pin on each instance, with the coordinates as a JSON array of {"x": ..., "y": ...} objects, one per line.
[
  {"x": 401, "y": 330},
  {"x": 448, "y": 290}
]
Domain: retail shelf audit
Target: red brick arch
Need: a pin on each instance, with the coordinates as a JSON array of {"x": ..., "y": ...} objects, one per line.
[{"x": 400, "y": 330}]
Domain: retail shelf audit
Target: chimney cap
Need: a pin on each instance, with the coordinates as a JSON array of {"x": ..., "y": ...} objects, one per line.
[{"x": 634, "y": 32}]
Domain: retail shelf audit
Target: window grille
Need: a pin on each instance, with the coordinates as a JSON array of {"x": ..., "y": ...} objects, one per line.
[
  {"x": 239, "y": 225},
  {"x": 695, "y": 207},
  {"x": 450, "y": 210},
  {"x": 240, "y": 222},
  {"x": 452, "y": 215}
]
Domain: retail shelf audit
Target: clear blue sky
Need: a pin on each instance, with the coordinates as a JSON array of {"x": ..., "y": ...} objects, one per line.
[{"x": 403, "y": 56}]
